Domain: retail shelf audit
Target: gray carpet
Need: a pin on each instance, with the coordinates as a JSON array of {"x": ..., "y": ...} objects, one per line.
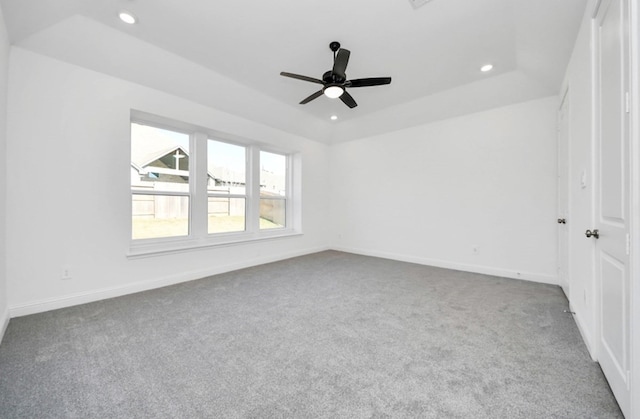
[{"x": 326, "y": 335}]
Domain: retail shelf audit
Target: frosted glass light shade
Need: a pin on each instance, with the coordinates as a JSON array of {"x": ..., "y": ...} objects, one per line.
[{"x": 333, "y": 92}]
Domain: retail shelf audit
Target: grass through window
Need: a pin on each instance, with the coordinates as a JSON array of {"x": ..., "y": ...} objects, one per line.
[{"x": 148, "y": 228}]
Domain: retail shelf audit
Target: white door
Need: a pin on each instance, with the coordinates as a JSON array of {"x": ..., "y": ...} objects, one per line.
[
  {"x": 563, "y": 195},
  {"x": 612, "y": 199}
]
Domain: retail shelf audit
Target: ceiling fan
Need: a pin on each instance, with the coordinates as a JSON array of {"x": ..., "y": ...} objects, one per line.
[{"x": 334, "y": 82}]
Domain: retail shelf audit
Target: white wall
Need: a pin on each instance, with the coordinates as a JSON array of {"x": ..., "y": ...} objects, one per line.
[
  {"x": 428, "y": 194},
  {"x": 68, "y": 190},
  {"x": 578, "y": 84},
  {"x": 4, "y": 67}
]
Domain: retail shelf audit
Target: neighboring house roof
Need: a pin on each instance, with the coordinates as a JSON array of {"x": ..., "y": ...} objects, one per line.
[
  {"x": 144, "y": 153},
  {"x": 223, "y": 174},
  {"x": 145, "y": 160}
]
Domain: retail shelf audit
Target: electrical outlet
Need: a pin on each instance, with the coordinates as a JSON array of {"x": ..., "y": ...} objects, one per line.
[
  {"x": 475, "y": 249},
  {"x": 66, "y": 273}
]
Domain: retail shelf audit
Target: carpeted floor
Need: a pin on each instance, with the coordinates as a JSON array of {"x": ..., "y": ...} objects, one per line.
[{"x": 330, "y": 335}]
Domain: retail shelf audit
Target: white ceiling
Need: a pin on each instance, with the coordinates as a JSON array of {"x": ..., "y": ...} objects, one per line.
[{"x": 228, "y": 54}]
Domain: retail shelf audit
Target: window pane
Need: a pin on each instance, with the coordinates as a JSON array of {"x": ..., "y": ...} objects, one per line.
[
  {"x": 226, "y": 164},
  {"x": 226, "y": 214},
  {"x": 272, "y": 213},
  {"x": 159, "y": 159},
  {"x": 155, "y": 216},
  {"x": 273, "y": 174}
]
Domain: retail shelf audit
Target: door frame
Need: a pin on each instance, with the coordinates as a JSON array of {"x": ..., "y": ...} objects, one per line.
[
  {"x": 634, "y": 147},
  {"x": 564, "y": 212}
]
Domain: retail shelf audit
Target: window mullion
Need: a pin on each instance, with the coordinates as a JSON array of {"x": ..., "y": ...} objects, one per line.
[
  {"x": 158, "y": 193},
  {"x": 219, "y": 195},
  {"x": 289, "y": 217},
  {"x": 199, "y": 178},
  {"x": 253, "y": 189}
]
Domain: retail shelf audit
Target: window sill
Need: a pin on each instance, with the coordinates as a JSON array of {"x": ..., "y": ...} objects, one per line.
[{"x": 152, "y": 247}]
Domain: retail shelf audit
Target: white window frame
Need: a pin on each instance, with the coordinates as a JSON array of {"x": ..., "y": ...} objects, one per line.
[{"x": 198, "y": 194}]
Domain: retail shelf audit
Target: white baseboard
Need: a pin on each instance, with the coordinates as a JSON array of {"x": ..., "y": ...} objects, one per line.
[
  {"x": 4, "y": 323},
  {"x": 104, "y": 293},
  {"x": 111, "y": 292},
  {"x": 586, "y": 337},
  {"x": 486, "y": 270}
]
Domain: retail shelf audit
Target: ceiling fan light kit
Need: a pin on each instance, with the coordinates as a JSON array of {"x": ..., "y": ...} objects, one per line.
[
  {"x": 333, "y": 91},
  {"x": 335, "y": 81}
]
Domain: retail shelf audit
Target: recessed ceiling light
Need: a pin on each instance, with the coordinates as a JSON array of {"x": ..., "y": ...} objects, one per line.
[
  {"x": 486, "y": 67},
  {"x": 127, "y": 17},
  {"x": 334, "y": 117}
]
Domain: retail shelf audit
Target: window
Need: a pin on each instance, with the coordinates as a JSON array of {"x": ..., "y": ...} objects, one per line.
[
  {"x": 159, "y": 182},
  {"x": 192, "y": 187},
  {"x": 273, "y": 190},
  {"x": 227, "y": 187}
]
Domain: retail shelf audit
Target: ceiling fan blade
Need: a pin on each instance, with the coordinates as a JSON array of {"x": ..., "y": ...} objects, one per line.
[
  {"x": 348, "y": 100},
  {"x": 340, "y": 64},
  {"x": 313, "y": 96},
  {"x": 299, "y": 77},
  {"x": 372, "y": 81}
]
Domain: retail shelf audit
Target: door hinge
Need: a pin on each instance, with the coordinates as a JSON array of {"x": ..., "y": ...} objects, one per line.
[
  {"x": 626, "y": 102},
  {"x": 628, "y": 244}
]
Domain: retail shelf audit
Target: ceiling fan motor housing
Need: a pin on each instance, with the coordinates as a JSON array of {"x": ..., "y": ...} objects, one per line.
[{"x": 330, "y": 77}]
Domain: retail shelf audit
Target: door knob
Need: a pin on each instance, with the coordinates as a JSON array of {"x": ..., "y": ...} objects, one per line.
[
  {"x": 595, "y": 233},
  {"x": 562, "y": 221}
]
